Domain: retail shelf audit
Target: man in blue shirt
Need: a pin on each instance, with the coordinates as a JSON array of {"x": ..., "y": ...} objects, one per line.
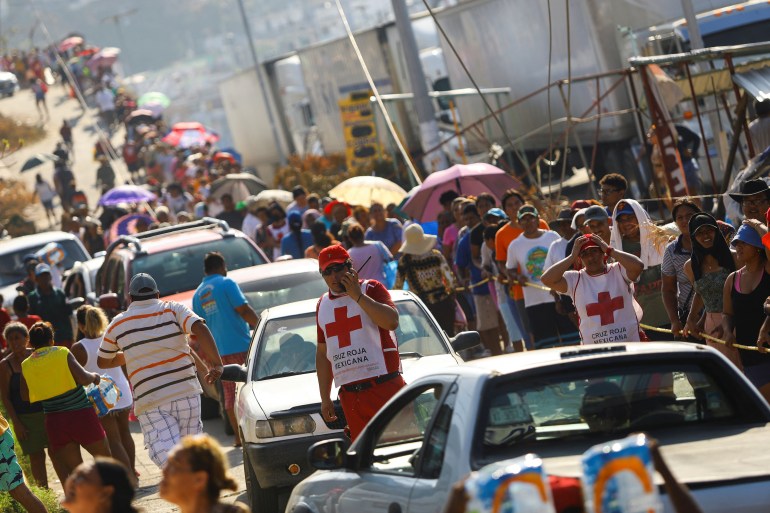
[
  {"x": 220, "y": 302},
  {"x": 486, "y": 309}
]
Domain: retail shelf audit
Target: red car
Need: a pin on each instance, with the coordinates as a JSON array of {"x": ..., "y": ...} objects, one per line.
[{"x": 173, "y": 256}]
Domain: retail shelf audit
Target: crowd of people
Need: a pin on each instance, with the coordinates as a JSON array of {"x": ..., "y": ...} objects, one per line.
[{"x": 526, "y": 277}]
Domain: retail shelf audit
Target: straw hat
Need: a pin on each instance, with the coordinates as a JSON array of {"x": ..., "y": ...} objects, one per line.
[{"x": 416, "y": 242}]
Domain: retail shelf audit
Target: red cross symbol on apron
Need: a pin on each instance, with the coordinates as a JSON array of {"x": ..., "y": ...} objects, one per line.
[
  {"x": 605, "y": 307},
  {"x": 343, "y": 326}
]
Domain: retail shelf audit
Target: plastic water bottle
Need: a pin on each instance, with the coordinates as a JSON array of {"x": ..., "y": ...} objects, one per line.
[
  {"x": 619, "y": 477},
  {"x": 103, "y": 396},
  {"x": 512, "y": 486}
]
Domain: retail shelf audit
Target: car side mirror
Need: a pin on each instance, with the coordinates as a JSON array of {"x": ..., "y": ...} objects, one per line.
[
  {"x": 234, "y": 372},
  {"x": 109, "y": 301},
  {"x": 465, "y": 340},
  {"x": 328, "y": 454}
]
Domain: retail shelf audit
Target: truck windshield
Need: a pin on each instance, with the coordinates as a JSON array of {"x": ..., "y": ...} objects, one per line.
[
  {"x": 181, "y": 269},
  {"x": 287, "y": 344},
  {"x": 628, "y": 397},
  {"x": 12, "y": 264}
]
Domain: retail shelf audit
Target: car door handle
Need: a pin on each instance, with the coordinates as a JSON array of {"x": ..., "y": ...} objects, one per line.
[{"x": 394, "y": 507}]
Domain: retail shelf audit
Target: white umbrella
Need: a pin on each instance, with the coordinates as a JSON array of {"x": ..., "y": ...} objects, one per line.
[
  {"x": 279, "y": 196},
  {"x": 364, "y": 190}
]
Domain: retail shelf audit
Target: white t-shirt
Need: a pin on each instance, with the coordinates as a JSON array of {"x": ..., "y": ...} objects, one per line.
[
  {"x": 605, "y": 305},
  {"x": 556, "y": 252},
  {"x": 44, "y": 191},
  {"x": 529, "y": 255},
  {"x": 250, "y": 225}
]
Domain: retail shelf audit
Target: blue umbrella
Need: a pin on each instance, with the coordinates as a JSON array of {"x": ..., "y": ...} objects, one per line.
[{"x": 126, "y": 194}]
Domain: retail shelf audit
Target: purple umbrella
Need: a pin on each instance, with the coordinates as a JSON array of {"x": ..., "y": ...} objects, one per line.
[
  {"x": 126, "y": 194},
  {"x": 467, "y": 180}
]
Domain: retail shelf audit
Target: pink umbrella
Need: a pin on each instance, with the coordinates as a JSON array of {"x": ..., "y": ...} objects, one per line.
[
  {"x": 70, "y": 42},
  {"x": 189, "y": 133},
  {"x": 467, "y": 180},
  {"x": 126, "y": 225},
  {"x": 104, "y": 57}
]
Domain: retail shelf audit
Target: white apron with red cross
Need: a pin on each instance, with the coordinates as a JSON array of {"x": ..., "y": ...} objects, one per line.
[
  {"x": 352, "y": 340},
  {"x": 605, "y": 305}
]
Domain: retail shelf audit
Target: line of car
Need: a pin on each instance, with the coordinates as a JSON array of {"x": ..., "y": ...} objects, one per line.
[{"x": 452, "y": 417}]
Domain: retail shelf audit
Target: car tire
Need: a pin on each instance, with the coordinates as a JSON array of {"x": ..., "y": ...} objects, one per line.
[
  {"x": 222, "y": 412},
  {"x": 261, "y": 500}
]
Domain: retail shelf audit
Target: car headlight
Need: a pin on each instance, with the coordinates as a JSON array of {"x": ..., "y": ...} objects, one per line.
[{"x": 285, "y": 426}]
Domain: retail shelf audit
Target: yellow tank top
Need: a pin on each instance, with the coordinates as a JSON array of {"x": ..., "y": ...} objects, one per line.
[{"x": 47, "y": 373}]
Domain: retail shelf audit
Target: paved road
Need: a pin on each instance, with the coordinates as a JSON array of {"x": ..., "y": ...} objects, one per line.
[{"x": 22, "y": 108}]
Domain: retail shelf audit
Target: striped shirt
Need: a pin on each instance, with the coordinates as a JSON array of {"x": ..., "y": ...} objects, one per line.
[{"x": 152, "y": 335}]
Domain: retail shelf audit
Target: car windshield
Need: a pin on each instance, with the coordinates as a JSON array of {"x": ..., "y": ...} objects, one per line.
[
  {"x": 12, "y": 264},
  {"x": 607, "y": 401},
  {"x": 280, "y": 290},
  {"x": 181, "y": 269},
  {"x": 288, "y": 344}
]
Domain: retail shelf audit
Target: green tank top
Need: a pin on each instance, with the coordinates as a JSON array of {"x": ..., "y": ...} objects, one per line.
[
  {"x": 74, "y": 399},
  {"x": 711, "y": 286}
]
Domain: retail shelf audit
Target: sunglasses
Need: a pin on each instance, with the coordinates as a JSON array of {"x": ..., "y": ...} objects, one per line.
[{"x": 335, "y": 268}]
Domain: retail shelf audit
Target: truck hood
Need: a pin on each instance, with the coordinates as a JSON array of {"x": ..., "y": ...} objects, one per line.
[
  {"x": 719, "y": 454},
  {"x": 282, "y": 394}
]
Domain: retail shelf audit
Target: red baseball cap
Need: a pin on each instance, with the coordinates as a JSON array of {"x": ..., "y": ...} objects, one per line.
[
  {"x": 588, "y": 245},
  {"x": 331, "y": 255}
]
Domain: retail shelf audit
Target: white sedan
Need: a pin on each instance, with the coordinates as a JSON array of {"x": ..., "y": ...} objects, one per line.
[
  {"x": 711, "y": 423},
  {"x": 278, "y": 407}
]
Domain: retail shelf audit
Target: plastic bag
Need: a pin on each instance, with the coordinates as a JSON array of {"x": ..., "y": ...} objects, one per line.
[{"x": 104, "y": 396}]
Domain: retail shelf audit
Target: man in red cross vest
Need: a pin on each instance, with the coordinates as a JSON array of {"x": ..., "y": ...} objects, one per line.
[
  {"x": 602, "y": 292},
  {"x": 357, "y": 345}
]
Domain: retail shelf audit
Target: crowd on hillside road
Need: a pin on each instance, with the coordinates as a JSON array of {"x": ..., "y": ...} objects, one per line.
[{"x": 525, "y": 273}]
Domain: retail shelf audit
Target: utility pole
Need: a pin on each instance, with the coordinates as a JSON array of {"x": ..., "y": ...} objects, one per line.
[
  {"x": 426, "y": 116},
  {"x": 265, "y": 96},
  {"x": 696, "y": 43},
  {"x": 116, "y": 19}
]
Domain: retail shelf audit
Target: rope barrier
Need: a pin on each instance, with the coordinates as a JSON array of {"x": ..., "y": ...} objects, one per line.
[
  {"x": 643, "y": 326},
  {"x": 707, "y": 337}
]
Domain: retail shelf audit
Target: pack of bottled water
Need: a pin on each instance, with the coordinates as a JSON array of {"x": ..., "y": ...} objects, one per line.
[
  {"x": 619, "y": 477},
  {"x": 518, "y": 485},
  {"x": 103, "y": 396}
]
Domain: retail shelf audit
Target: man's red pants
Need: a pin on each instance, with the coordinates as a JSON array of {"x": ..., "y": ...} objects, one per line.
[{"x": 360, "y": 407}]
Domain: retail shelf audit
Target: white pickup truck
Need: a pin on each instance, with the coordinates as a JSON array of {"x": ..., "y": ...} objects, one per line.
[{"x": 711, "y": 424}]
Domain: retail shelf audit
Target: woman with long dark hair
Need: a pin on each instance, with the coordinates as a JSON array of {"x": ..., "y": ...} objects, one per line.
[
  {"x": 102, "y": 486},
  {"x": 710, "y": 264}
]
